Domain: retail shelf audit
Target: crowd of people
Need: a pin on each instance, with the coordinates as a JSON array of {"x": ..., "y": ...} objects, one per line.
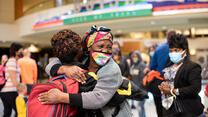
[
  {"x": 97, "y": 52},
  {"x": 18, "y": 68}
]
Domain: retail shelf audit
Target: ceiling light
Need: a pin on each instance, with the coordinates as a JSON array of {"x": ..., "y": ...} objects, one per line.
[
  {"x": 33, "y": 49},
  {"x": 193, "y": 51}
]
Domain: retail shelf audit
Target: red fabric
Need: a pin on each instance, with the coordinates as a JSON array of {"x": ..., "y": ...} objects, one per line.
[
  {"x": 36, "y": 109},
  {"x": 206, "y": 90},
  {"x": 150, "y": 76}
]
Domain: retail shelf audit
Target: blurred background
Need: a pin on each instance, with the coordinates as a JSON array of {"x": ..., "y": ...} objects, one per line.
[{"x": 135, "y": 24}]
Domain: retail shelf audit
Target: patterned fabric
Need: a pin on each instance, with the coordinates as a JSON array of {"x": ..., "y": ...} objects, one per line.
[
  {"x": 96, "y": 34},
  {"x": 101, "y": 58},
  {"x": 11, "y": 66},
  {"x": 169, "y": 76}
]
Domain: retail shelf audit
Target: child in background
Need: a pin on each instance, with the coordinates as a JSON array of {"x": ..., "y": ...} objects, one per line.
[{"x": 21, "y": 100}]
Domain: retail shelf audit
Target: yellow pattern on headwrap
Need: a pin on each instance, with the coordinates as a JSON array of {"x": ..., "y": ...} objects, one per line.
[{"x": 91, "y": 39}]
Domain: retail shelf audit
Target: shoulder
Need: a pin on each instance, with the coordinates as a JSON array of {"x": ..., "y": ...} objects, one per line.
[
  {"x": 110, "y": 67},
  {"x": 190, "y": 65},
  {"x": 11, "y": 61},
  {"x": 161, "y": 47},
  {"x": 110, "y": 71}
]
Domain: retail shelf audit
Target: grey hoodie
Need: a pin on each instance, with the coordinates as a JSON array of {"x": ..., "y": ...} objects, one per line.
[{"x": 136, "y": 70}]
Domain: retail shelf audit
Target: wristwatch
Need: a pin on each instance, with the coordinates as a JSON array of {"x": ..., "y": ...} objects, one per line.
[{"x": 177, "y": 91}]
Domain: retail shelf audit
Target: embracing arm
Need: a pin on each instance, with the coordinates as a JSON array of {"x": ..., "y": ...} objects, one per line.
[
  {"x": 109, "y": 80},
  {"x": 55, "y": 68},
  {"x": 52, "y": 68}
]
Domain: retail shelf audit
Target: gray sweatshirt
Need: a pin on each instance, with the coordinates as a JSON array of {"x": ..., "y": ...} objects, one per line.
[{"x": 109, "y": 80}]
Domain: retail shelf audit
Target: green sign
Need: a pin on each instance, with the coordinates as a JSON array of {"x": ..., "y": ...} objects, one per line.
[{"x": 107, "y": 16}]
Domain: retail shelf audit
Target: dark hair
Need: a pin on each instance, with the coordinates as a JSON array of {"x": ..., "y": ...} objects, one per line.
[
  {"x": 14, "y": 48},
  {"x": 178, "y": 41},
  {"x": 66, "y": 45},
  {"x": 117, "y": 43},
  {"x": 170, "y": 32}
]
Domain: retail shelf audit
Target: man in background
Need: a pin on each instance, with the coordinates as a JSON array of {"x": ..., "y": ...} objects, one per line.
[{"x": 28, "y": 68}]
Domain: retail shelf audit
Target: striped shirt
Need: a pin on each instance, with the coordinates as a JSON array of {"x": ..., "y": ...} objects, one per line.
[{"x": 11, "y": 66}]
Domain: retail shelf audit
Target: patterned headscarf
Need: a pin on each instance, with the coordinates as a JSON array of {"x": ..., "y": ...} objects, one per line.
[{"x": 96, "y": 34}]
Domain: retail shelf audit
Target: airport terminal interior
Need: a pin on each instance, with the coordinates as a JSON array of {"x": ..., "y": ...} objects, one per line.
[{"x": 135, "y": 24}]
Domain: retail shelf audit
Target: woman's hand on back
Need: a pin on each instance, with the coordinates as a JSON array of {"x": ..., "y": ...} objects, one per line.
[
  {"x": 73, "y": 72},
  {"x": 53, "y": 96}
]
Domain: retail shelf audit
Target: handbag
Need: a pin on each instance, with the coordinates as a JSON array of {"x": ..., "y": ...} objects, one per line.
[{"x": 178, "y": 106}]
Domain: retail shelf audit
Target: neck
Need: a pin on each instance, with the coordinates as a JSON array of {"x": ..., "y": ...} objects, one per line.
[
  {"x": 21, "y": 95},
  {"x": 16, "y": 57}
]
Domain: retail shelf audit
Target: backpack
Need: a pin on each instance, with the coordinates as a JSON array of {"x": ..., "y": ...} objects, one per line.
[
  {"x": 2, "y": 76},
  {"x": 36, "y": 109}
]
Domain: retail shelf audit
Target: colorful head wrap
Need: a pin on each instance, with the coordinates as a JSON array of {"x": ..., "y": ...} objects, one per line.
[{"x": 96, "y": 34}]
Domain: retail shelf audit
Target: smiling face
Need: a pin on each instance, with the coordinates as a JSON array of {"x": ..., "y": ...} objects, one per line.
[
  {"x": 100, "y": 52},
  {"x": 104, "y": 46}
]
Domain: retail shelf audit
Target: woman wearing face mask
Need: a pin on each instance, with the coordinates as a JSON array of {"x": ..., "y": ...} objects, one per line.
[
  {"x": 137, "y": 75},
  {"x": 98, "y": 42},
  {"x": 182, "y": 81},
  {"x": 12, "y": 74}
]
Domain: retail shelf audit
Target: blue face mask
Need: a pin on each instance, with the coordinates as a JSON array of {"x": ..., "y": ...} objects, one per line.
[
  {"x": 176, "y": 57},
  {"x": 151, "y": 54}
]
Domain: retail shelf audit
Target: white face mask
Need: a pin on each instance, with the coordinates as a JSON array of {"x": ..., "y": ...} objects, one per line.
[{"x": 176, "y": 57}]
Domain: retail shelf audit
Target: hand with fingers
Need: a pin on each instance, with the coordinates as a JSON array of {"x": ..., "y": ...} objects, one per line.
[
  {"x": 74, "y": 72},
  {"x": 165, "y": 88},
  {"x": 53, "y": 96}
]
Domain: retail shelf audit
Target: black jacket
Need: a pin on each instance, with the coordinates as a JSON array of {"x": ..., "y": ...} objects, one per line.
[{"x": 188, "y": 81}]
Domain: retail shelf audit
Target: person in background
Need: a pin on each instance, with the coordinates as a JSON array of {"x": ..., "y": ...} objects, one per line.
[
  {"x": 28, "y": 68},
  {"x": 158, "y": 62},
  {"x": 119, "y": 59},
  {"x": 180, "y": 90},
  {"x": 151, "y": 51},
  {"x": 21, "y": 100},
  {"x": 12, "y": 74},
  {"x": 204, "y": 72},
  {"x": 4, "y": 59},
  {"x": 137, "y": 75}
]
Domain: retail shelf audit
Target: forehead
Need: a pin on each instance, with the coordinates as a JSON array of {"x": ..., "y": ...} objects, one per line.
[
  {"x": 104, "y": 42},
  {"x": 175, "y": 49},
  {"x": 134, "y": 55}
]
